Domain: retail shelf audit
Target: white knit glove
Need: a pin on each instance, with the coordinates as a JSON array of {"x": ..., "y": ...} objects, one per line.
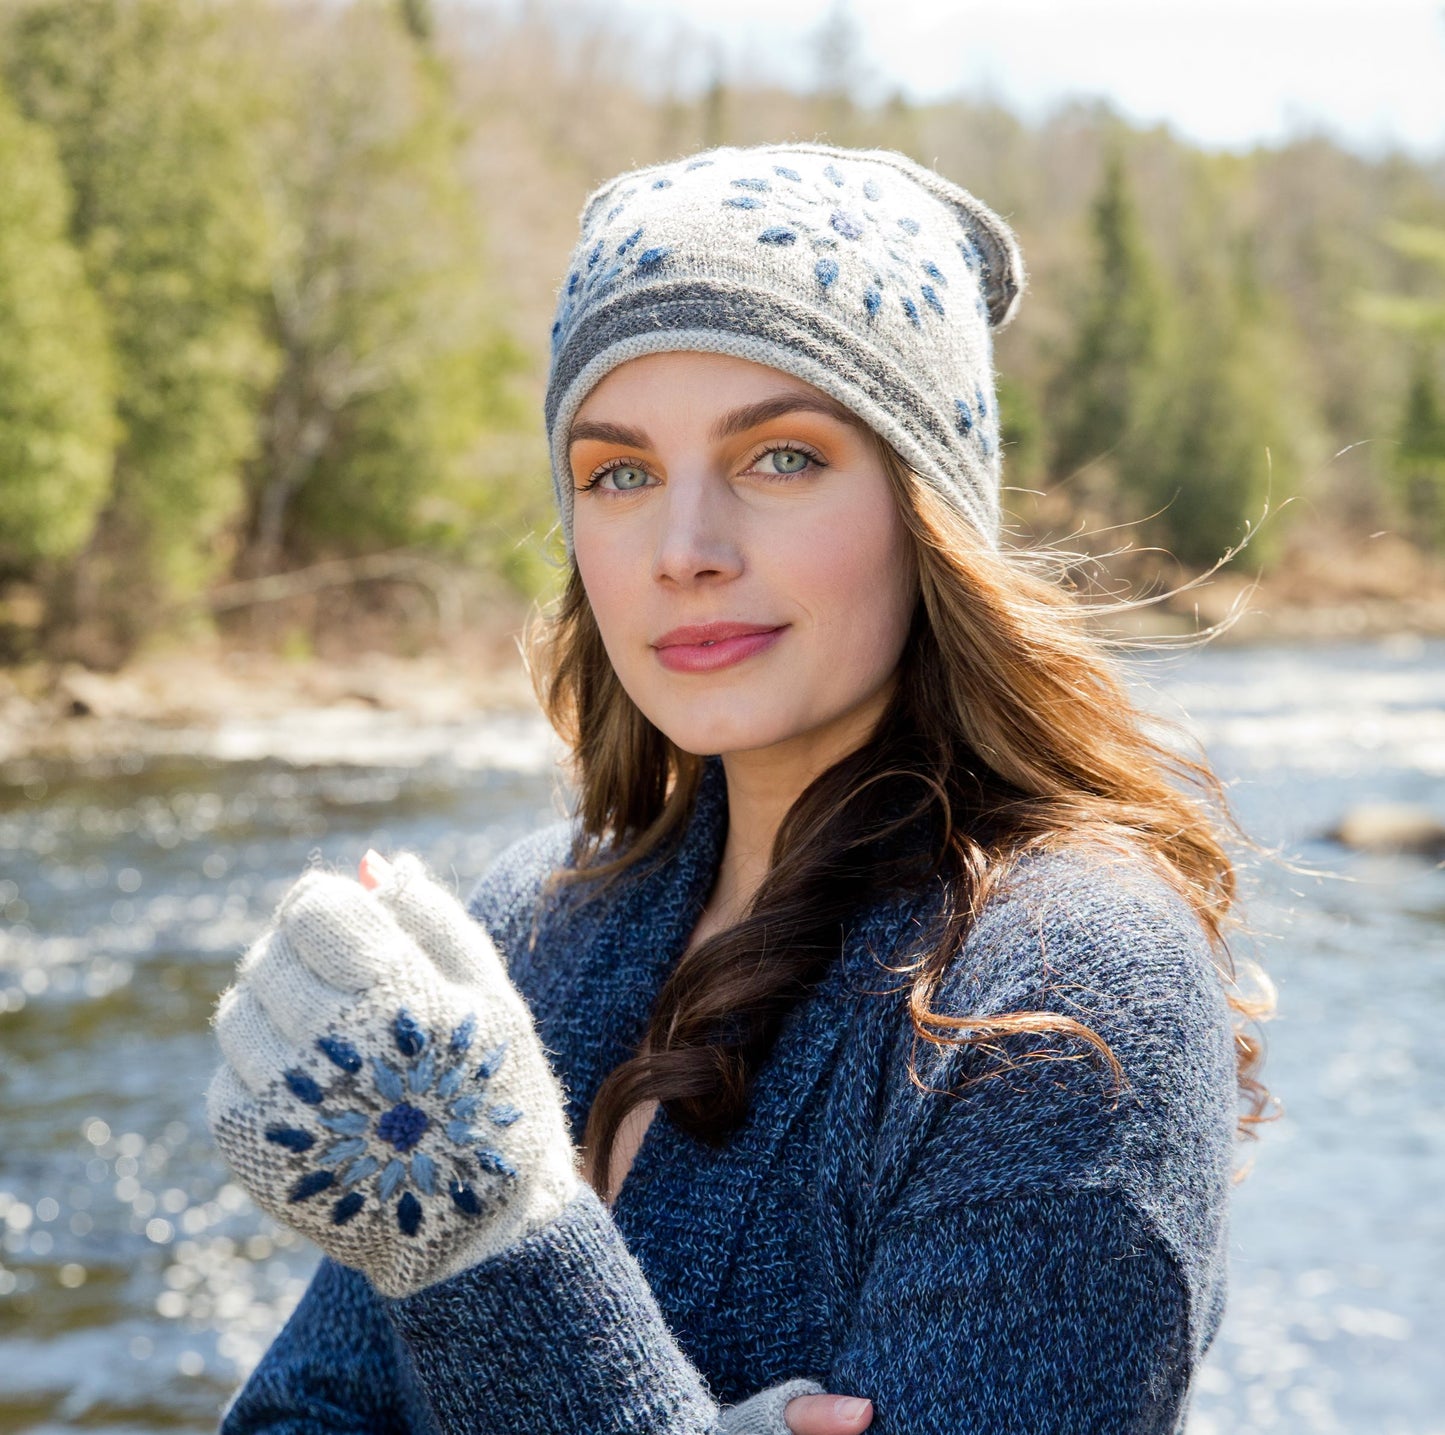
[
  {"x": 762, "y": 1414},
  {"x": 384, "y": 1091}
]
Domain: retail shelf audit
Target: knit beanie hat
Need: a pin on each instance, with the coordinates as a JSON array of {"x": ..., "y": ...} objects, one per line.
[{"x": 857, "y": 270}]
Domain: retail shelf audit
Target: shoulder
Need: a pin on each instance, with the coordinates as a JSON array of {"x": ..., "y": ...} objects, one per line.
[
  {"x": 506, "y": 897},
  {"x": 1105, "y": 940}
]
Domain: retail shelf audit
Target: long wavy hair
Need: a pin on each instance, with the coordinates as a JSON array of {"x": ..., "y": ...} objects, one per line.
[{"x": 1009, "y": 729}]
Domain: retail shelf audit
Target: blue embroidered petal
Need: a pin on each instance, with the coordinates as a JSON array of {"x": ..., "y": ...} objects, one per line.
[
  {"x": 408, "y": 1215},
  {"x": 464, "y": 1198},
  {"x": 346, "y": 1208},
  {"x": 757, "y": 184},
  {"x": 846, "y": 224},
  {"x": 870, "y": 189},
  {"x": 346, "y": 1123},
  {"x": 304, "y": 1088},
  {"x": 778, "y": 234},
  {"x": 419, "y": 1078},
  {"x": 461, "y": 1133},
  {"x": 391, "y": 1178},
  {"x": 341, "y": 1053},
  {"x": 410, "y": 1038},
  {"x": 494, "y": 1162},
  {"x": 832, "y": 173},
  {"x": 652, "y": 256},
  {"x": 743, "y": 201},
  {"x": 310, "y": 1185},
  {"x": 934, "y": 272},
  {"x": 361, "y": 1170},
  {"x": 908, "y": 226},
  {"x": 826, "y": 271},
  {"x": 291, "y": 1138},
  {"x": 872, "y": 298},
  {"x": 787, "y": 173},
  {"x": 451, "y": 1082},
  {"x": 466, "y": 1107},
  {"x": 343, "y": 1151},
  {"x": 424, "y": 1173},
  {"x": 388, "y": 1081},
  {"x": 492, "y": 1061},
  {"x": 503, "y": 1114},
  {"x": 462, "y": 1036}
]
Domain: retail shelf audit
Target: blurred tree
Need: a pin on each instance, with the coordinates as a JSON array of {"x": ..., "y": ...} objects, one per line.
[
  {"x": 837, "y": 53},
  {"x": 394, "y": 365},
  {"x": 1215, "y": 443},
  {"x": 152, "y": 131},
  {"x": 1419, "y": 467},
  {"x": 1095, "y": 397},
  {"x": 57, "y": 420}
]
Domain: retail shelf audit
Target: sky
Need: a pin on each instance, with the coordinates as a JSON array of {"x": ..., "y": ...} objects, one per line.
[{"x": 1225, "y": 75}]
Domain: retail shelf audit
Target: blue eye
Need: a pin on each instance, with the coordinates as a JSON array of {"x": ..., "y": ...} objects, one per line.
[
  {"x": 619, "y": 473},
  {"x": 783, "y": 455}
]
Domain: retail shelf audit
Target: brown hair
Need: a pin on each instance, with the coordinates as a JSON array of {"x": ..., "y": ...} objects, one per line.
[{"x": 1010, "y": 729}]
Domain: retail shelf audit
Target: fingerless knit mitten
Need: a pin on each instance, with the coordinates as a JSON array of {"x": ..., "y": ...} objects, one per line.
[{"x": 384, "y": 1091}]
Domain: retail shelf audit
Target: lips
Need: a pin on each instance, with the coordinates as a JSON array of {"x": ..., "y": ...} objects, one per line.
[{"x": 707, "y": 633}]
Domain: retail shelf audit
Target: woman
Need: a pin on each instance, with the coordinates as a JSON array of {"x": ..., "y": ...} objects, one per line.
[{"x": 868, "y": 1032}]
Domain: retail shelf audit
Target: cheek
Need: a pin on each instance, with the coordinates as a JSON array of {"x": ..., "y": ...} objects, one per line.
[{"x": 856, "y": 583}]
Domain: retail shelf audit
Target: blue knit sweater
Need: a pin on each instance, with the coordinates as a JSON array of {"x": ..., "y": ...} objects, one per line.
[{"x": 1032, "y": 1257}]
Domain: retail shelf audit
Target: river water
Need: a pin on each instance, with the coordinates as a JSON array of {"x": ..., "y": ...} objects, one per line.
[{"x": 138, "y": 1284}]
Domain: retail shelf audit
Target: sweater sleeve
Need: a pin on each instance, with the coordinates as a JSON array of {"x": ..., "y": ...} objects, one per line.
[{"x": 1047, "y": 1314}]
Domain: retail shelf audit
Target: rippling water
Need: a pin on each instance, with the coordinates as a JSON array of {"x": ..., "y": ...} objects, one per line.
[{"x": 138, "y": 1284}]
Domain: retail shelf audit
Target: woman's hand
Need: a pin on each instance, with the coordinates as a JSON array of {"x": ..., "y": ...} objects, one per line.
[{"x": 384, "y": 1091}]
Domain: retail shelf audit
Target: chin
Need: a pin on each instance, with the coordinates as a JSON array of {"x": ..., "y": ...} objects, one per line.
[{"x": 704, "y": 737}]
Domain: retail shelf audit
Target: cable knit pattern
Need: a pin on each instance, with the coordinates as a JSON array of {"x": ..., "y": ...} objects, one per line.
[{"x": 1034, "y": 1255}]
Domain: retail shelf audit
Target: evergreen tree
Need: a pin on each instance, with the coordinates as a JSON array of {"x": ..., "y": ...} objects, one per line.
[
  {"x": 1419, "y": 467},
  {"x": 152, "y": 133},
  {"x": 1096, "y": 395},
  {"x": 57, "y": 424}
]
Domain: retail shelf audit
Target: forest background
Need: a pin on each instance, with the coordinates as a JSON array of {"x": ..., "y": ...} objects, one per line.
[{"x": 277, "y": 279}]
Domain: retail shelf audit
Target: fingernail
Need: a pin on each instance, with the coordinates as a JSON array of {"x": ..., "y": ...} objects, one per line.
[{"x": 849, "y": 1407}]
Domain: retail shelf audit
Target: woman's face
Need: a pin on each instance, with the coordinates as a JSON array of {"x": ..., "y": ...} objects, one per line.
[{"x": 711, "y": 489}]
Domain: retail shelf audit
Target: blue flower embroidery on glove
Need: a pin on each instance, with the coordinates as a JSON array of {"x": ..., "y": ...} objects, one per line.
[{"x": 405, "y": 1130}]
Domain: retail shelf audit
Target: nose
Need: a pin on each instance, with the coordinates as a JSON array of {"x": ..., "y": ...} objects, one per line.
[{"x": 697, "y": 537}]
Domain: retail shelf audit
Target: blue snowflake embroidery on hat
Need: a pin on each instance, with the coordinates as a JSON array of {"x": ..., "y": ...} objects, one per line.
[
  {"x": 870, "y": 189},
  {"x": 786, "y": 173},
  {"x": 908, "y": 226},
  {"x": 650, "y": 257},
  {"x": 848, "y": 225},
  {"x": 743, "y": 201},
  {"x": 408, "y": 1130},
  {"x": 964, "y": 416},
  {"x": 831, "y": 171},
  {"x": 935, "y": 273},
  {"x": 934, "y": 302},
  {"x": 911, "y": 309},
  {"x": 826, "y": 271},
  {"x": 872, "y": 299},
  {"x": 758, "y": 184},
  {"x": 778, "y": 234},
  {"x": 662, "y": 183}
]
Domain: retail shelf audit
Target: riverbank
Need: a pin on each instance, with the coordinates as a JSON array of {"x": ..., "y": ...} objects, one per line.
[{"x": 229, "y": 697}]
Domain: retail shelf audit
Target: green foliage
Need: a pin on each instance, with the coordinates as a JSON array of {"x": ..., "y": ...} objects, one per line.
[
  {"x": 57, "y": 424},
  {"x": 153, "y": 135},
  {"x": 1419, "y": 467},
  {"x": 393, "y": 358},
  {"x": 1096, "y": 398}
]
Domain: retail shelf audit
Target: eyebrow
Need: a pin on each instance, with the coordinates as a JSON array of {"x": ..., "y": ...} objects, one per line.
[{"x": 735, "y": 421}]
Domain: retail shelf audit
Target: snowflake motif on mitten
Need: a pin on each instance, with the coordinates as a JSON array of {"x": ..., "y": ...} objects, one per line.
[{"x": 403, "y": 1134}]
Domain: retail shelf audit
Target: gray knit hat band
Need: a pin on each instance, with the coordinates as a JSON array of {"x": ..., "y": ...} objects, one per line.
[{"x": 857, "y": 271}]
